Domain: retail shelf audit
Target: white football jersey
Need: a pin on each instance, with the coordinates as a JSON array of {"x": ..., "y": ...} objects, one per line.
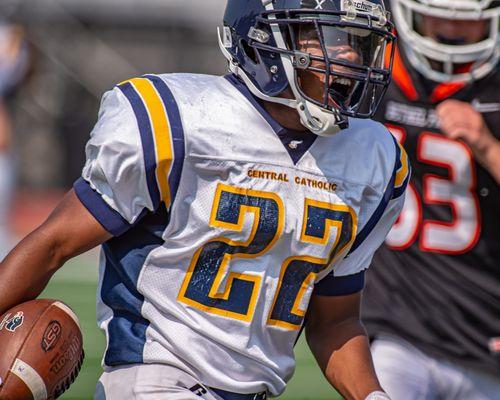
[{"x": 225, "y": 223}]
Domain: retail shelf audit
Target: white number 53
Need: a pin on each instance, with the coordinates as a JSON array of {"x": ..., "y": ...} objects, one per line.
[{"x": 456, "y": 191}]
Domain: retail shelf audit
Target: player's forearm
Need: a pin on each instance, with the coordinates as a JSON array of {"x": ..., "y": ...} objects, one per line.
[
  {"x": 70, "y": 230},
  {"x": 343, "y": 354},
  {"x": 25, "y": 272},
  {"x": 489, "y": 157}
]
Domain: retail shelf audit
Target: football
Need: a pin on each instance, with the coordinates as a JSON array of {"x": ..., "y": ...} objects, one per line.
[{"x": 41, "y": 350}]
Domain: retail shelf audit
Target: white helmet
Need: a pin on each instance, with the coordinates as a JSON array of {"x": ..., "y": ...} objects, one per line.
[{"x": 421, "y": 50}]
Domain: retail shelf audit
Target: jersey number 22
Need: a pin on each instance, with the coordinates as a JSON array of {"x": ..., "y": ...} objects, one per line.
[{"x": 238, "y": 297}]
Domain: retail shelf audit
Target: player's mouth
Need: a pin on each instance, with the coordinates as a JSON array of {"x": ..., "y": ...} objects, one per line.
[{"x": 340, "y": 89}]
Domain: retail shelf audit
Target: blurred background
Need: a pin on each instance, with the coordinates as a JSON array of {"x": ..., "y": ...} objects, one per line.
[{"x": 57, "y": 58}]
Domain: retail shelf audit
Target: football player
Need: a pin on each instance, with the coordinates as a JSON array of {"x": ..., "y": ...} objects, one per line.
[
  {"x": 438, "y": 273},
  {"x": 221, "y": 204}
]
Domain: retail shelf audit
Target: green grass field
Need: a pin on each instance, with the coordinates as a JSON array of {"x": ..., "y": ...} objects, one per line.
[{"x": 76, "y": 285}]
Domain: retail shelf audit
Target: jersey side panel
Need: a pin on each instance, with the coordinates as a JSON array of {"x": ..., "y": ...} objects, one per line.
[{"x": 134, "y": 161}]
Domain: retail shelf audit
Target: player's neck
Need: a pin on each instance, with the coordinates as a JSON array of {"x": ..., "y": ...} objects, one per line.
[{"x": 287, "y": 117}]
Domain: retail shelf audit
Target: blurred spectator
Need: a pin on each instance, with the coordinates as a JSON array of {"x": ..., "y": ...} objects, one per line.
[
  {"x": 13, "y": 67},
  {"x": 432, "y": 301}
]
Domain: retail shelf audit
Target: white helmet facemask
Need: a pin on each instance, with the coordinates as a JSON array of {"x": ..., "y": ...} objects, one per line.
[{"x": 437, "y": 61}]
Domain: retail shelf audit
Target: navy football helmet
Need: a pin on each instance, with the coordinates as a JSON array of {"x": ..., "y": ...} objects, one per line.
[{"x": 274, "y": 45}]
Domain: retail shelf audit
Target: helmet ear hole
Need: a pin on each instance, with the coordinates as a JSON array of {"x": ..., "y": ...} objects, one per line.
[{"x": 250, "y": 52}]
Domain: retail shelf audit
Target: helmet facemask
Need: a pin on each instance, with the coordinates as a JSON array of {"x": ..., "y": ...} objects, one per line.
[
  {"x": 347, "y": 63},
  {"x": 334, "y": 62}
]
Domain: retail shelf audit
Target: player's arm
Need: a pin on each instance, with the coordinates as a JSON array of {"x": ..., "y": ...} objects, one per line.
[
  {"x": 70, "y": 230},
  {"x": 340, "y": 345},
  {"x": 334, "y": 332},
  {"x": 459, "y": 120}
]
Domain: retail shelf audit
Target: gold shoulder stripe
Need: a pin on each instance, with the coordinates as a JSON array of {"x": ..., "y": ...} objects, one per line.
[
  {"x": 161, "y": 133},
  {"x": 403, "y": 171},
  {"x": 125, "y": 81}
]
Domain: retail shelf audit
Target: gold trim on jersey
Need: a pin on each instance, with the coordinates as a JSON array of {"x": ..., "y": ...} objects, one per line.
[
  {"x": 402, "y": 172},
  {"x": 323, "y": 241},
  {"x": 162, "y": 134},
  {"x": 308, "y": 282}
]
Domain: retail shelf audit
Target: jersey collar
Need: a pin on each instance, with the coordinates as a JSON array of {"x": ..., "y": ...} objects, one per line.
[{"x": 295, "y": 142}]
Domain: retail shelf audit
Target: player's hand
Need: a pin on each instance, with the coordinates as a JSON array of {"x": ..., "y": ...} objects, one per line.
[{"x": 459, "y": 120}]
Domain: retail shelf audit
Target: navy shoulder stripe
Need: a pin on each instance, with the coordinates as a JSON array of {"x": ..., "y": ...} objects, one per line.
[{"x": 146, "y": 132}]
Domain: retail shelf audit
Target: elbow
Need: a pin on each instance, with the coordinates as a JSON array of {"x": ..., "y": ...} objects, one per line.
[
  {"x": 50, "y": 247},
  {"x": 60, "y": 251}
]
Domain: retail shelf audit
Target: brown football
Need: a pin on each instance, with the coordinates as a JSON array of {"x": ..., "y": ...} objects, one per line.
[{"x": 41, "y": 350}]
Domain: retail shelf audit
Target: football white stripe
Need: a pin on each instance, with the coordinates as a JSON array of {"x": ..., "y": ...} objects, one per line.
[
  {"x": 31, "y": 378},
  {"x": 68, "y": 311}
]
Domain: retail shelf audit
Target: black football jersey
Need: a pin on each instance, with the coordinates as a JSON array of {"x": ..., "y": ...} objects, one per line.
[{"x": 436, "y": 281}]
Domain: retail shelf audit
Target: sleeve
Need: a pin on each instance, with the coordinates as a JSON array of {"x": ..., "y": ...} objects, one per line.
[
  {"x": 332, "y": 285},
  {"x": 134, "y": 155},
  {"x": 360, "y": 257},
  {"x": 348, "y": 275}
]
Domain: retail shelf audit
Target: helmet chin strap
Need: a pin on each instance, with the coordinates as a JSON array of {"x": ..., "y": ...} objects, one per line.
[
  {"x": 317, "y": 120},
  {"x": 314, "y": 118}
]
